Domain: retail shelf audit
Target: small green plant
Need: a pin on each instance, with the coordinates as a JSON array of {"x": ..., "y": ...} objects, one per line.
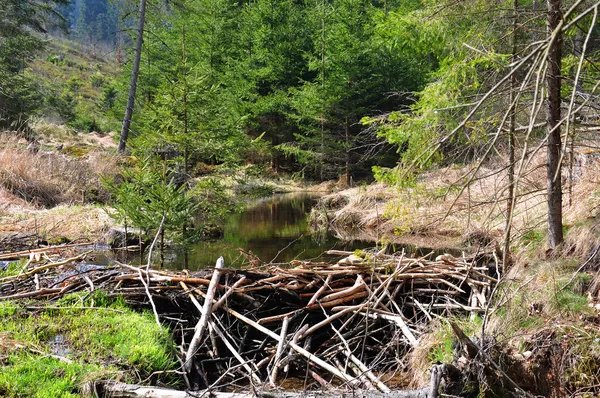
[
  {"x": 443, "y": 350},
  {"x": 12, "y": 268},
  {"x": 85, "y": 123},
  {"x": 571, "y": 303},
  {"x": 97, "y": 80},
  {"x": 533, "y": 237},
  {"x": 109, "y": 96},
  {"x": 396, "y": 176}
]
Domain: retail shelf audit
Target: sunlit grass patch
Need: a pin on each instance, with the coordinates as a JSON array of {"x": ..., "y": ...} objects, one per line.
[
  {"x": 28, "y": 375},
  {"x": 112, "y": 340}
]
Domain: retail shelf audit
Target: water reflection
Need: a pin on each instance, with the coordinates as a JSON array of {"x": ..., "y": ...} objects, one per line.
[{"x": 274, "y": 229}]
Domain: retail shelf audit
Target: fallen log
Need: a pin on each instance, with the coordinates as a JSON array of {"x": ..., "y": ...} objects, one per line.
[{"x": 107, "y": 388}]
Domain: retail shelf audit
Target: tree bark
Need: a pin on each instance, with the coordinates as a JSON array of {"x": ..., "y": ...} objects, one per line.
[
  {"x": 347, "y": 152},
  {"x": 134, "y": 77},
  {"x": 553, "y": 166},
  {"x": 206, "y": 312}
]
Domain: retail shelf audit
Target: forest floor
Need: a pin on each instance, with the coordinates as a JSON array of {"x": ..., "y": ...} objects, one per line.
[{"x": 544, "y": 314}]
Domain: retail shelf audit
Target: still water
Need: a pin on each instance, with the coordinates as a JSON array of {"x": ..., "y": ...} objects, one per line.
[{"x": 274, "y": 229}]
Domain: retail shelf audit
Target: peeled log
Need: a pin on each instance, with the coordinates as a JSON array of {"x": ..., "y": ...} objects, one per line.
[
  {"x": 112, "y": 389},
  {"x": 101, "y": 389}
]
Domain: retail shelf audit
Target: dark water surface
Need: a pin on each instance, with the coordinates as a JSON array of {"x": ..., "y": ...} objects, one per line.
[{"x": 274, "y": 229}]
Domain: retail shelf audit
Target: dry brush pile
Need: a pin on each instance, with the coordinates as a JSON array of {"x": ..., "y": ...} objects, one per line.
[{"x": 342, "y": 325}]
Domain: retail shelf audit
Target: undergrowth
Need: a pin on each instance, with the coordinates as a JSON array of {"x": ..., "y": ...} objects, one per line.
[{"x": 50, "y": 178}]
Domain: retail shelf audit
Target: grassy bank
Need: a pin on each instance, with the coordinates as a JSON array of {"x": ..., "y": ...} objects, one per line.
[{"x": 52, "y": 350}]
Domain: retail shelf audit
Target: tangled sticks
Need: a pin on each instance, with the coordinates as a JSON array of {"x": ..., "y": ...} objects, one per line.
[{"x": 343, "y": 325}]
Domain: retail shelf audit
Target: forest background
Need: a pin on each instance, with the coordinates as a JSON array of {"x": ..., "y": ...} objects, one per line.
[{"x": 478, "y": 120}]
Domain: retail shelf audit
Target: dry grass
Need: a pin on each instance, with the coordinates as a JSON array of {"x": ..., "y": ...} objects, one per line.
[
  {"x": 86, "y": 223},
  {"x": 49, "y": 178},
  {"x": 51, "y": 135},
  {"x": 439, "y": 205}
]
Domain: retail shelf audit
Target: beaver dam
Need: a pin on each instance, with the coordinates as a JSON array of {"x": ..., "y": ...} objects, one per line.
[{"x": 332, "y": 327}]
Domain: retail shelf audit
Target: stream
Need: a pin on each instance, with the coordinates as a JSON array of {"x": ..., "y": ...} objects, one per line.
[{"x": 275, "y": 229}]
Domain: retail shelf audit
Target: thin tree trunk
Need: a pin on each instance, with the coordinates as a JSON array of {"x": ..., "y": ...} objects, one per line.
[
  {"x": 511, "y": 145},
  {"x": 134, "y": 76},
  {"x": 554, "y": 181},
  {"x": 322, "y": 88},
  {"x": 577, "y": 51},
  {"x": 185, "y": 149},
  {"x": 347, "y": 148}
]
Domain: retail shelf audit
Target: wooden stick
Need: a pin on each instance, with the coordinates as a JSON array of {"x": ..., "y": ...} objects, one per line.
[
  {"x": 358, "y": 286},
  {"x": 235, "y": 353},
  {"x": 25, "y": 253},
  {"x": 382, "y": 387},
  {"x": 280, "y": 347},
  {"x": 300, "y": 350},
  {"x": 206, "y": 311},
  {"x": 228, "y": 293},
  {"x": 44, "y": 267},
  {"x": 320, "y": 291},
  {"x": 295, "y": 340}
]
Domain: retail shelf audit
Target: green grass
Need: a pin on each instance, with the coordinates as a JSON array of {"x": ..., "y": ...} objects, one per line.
[
  {"x": 571, "y": 303},
  {"x": 13, "y": 268},
  {"x": 443, "y": 350},
  {"x": 111, "y": 340},
  {"x": 28, "y": 375}
]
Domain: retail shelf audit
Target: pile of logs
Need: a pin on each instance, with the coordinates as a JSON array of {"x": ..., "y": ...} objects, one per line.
[{"x": 346, "y": 324}]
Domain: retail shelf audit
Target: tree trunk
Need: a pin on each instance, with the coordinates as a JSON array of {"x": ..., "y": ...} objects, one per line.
[
  {"x": 322, "y": 88},
  {"x": 347, "y": 152},
  {"x": 134, "y": 76},
  {"x": 511, "y": 146},
  {"x": 554, "y": 181},
  {"x": 106, "y": 388}
]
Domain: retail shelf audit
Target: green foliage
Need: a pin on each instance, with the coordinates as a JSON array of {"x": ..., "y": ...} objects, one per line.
[
  {"x": 85, "y": 123},
  {"x": 396, "y": 176},
  {"x": 109, "y": 97},
  {"x": 213, "y": 202},
  {"x": 148, "y": 194},
  {"x": 19, "y": 22},
  {"x": 533, "y": 238},
  {"x": 571, "y": 303},
  {"x": 445, "y": 340},
  {"x": 12, "y": 268}
]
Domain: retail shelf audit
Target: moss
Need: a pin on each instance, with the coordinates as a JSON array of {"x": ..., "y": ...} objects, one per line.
[
  {"x": 110, "y": 338},
  {"x": 76, "y": 151},
  {"x": 28, "y": 375}
]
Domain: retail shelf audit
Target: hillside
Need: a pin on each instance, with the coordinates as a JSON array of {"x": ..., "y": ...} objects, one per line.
[{"x": 78, "y": 84}]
